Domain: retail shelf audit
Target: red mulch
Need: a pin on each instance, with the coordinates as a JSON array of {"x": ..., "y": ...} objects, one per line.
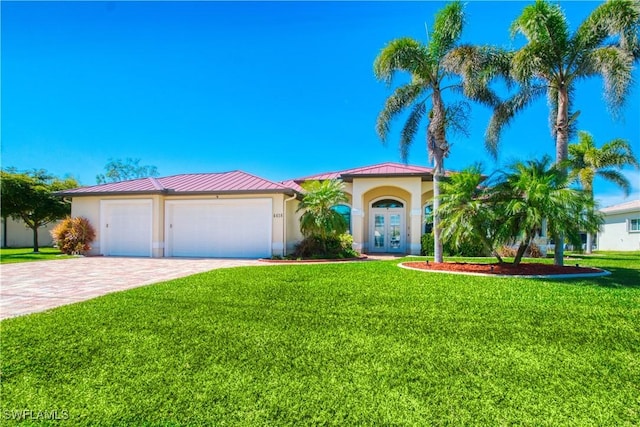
[{"x": 524, "y": 269}]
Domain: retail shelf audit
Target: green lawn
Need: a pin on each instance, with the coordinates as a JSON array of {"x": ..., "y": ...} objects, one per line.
[
  {"x": 12, "y": 255},
  {"x": 342, "y": 344}
]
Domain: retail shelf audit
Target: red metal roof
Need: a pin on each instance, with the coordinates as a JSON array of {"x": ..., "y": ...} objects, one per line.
[
  {"x": 227, "y": 182},
  {"x": 379, "y": 170},
  {"x": 240, "y": 182}
]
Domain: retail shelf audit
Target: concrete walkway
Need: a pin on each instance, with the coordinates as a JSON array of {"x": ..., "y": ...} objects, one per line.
[{"x": 31, "y": 287}]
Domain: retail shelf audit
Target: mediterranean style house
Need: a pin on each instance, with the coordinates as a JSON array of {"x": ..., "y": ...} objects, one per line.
[{"x": 236, "y": 214}]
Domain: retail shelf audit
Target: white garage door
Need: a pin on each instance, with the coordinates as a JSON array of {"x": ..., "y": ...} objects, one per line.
[
  {"x": 231, "y": 228},
  {"x": 125, "y": 227}
]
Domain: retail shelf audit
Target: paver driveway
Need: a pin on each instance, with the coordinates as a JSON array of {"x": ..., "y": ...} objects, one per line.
[{"x": 37, "y": 286}]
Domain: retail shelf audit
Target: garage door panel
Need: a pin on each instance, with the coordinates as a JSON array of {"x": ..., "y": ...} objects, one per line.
[
  {"x": 126, "y": 228},
  {"x": 219, "y": 228}
]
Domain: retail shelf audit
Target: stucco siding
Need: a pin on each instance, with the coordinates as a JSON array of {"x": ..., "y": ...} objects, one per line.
[
  {"x": 615, "y": 235},
  {"x": 90, "y": 208}
]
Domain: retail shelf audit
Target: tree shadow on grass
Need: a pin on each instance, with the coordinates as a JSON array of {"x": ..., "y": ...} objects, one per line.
[{"x": 619, "y": 278}]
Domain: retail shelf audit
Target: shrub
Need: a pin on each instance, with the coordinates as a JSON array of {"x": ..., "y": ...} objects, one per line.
[
  {"x": 507, "y": 251},
  {"x": 534, "y": 251},
  {"x": 73, "y": 235},
  {"x": 426, "y": 244},
  {"x": 337, "y": 246}
]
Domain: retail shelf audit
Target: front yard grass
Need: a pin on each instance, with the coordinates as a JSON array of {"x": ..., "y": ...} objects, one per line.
[
  {"x": 13, "y": 255},
  {"x": 361, "y": 343}
]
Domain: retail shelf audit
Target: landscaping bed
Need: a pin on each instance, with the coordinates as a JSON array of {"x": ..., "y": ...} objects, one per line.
[
  {"x": 305, "y": 260},
  {"x": 522, "y": 269}
]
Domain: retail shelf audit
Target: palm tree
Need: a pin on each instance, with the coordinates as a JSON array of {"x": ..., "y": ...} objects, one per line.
[
  {"x": 553, "y": 60},
  {"x": 467, "y": 212},
  {"x": 586, "y": 161},
  {"x": 431, "y": 67},
  {"x": 319, "y": 218},
  {"x": 532, "y": 191}
]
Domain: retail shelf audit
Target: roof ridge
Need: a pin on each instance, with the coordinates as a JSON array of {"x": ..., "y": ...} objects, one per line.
[{"x": 156, "y": 184}]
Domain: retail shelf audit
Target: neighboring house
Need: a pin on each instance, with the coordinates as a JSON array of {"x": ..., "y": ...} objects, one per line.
[
  {"x": 15, "y": 234},
  {"x": 621, "y": 228},
  {"x": 235, "y": 214}
]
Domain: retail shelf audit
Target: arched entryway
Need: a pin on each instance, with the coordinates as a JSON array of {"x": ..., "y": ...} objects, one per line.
[{"x": 387, "y": 225}]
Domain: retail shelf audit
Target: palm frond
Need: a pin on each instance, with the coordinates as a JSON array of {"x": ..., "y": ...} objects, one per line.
[
  {"x": 477, "y": 67},
  {"x": 617, "y": 178},
  {"x": 506, "y": 111},
  {"x": 404, "y": 54},
  {"x": 446, "y": 30},
  {"x": 613, "y": 18},
  {"x": 410, "y": 129},
  {"x": 457, "y": 118},
  {"x": 402, "y": 98},
  {"x": 618, "y": 153},
  {"x": 615, "y": 65}
]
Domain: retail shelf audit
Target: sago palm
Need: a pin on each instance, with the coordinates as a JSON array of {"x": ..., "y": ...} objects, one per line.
[
  {"x": 432, "y": 68},
  {"x": 586, "y": 161},
  {"x": 553, "y": 60}
]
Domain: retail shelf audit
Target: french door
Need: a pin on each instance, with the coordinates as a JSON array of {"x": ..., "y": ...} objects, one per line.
[{"x": 387, "y": 230}]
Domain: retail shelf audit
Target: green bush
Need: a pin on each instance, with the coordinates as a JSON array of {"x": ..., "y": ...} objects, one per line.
[
  {"x": 426, "y": 247},
  {"x": 468, "y": 249},
  {"x": 332, "y": 247},
  {"x": 73, "y": 235}
]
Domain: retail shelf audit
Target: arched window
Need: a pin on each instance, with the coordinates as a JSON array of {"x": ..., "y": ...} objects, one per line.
[
  {"x": 428, "y": 218},
  {"x": 387, "y": 203},
  {"x": 345, "y": 211}
]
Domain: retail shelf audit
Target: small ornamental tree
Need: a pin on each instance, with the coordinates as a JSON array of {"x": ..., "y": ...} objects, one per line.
[
  {"x": 29, "y": 196},
  {"x": 73, "y": 235}
]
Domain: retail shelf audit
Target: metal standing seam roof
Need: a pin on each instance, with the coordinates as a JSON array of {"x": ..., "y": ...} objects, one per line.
[
  {"x": 238, "y": 182},
  {"x": 226, "y": 182},
  {"x": 630, "y": 206},
  {"x": 379, "y": 170}
]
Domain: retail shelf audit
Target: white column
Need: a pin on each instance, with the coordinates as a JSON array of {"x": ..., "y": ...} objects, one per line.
[
  {"x": 415, "y": 230},
  {"x": 357, "y": 219}
]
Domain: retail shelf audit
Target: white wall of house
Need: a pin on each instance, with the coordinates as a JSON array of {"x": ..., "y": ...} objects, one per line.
[
  {"x": 616, "y": 233},
  {"x": 20, "y": 236}
]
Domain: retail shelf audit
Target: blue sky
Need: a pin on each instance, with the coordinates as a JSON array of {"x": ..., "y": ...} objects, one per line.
[{"x": 277, "y": 89}]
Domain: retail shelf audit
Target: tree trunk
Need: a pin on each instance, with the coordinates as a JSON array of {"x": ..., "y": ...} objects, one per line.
[
  {"x": 522, "y": 249},
  {"x": 4, "y": 231},
  {"x": 588, "y": 250},
  {"x": 437, "y": 148},
  {"x": 562, "y": 143},
  {"x": 36, "y": 248}
]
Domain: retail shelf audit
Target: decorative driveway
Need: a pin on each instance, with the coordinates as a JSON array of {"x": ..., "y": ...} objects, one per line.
[{"x": 31, "y": 287}]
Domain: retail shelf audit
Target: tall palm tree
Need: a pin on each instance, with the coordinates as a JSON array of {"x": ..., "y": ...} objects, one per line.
[
  {"x": 586, "y": 161},
  {"x": 553, "y": 60},
  {"x": 432, "y": 67}
]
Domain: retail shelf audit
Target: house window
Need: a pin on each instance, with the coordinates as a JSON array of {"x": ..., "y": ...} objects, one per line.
[
  {"x": 428, "y": 218},
  {"x": 387, "y": 203},
  {"x": 345, "y": 211},
  {"x": 634, "y": 225}
]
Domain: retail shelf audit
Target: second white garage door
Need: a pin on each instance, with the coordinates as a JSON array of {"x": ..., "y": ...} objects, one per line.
[{"x": 229, "y": 228}]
